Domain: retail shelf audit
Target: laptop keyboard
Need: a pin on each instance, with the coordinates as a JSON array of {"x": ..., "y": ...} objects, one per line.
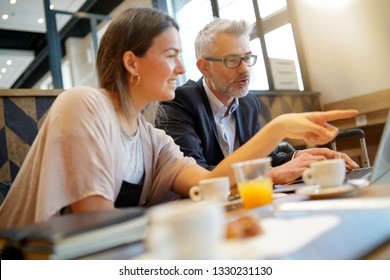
[{"x": 358, "y": 173}]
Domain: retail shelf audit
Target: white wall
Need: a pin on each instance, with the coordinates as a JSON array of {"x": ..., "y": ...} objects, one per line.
[{"x": 346, "y": 45}]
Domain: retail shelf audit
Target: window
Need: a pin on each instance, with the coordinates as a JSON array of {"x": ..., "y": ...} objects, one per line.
[
  {"x": 268, "y": 7},
  {"x": 280, "y": 45},
  {"x": 229, "y": 8},
  {"x": 259, "y": 79},
  {"x": 191, "y": 16},
  {"x": 273, "y": 32}
]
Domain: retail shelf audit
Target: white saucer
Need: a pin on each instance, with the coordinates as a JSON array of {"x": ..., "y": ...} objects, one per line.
[
  {"x": 236, "y": 203},
  {"x": 314, "y": 191}
]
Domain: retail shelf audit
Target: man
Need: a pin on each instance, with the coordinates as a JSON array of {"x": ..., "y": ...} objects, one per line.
[{"x": 214, "y": 116}]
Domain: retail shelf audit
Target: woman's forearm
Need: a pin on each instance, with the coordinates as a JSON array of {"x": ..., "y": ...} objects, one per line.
[{"x": 259, "y": 146}]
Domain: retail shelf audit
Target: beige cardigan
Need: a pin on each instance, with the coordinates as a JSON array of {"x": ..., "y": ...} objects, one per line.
[{"x": 77, "y": 153}]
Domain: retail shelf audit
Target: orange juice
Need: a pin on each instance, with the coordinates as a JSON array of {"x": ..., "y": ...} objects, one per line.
[{"x": 255, "y": 193}]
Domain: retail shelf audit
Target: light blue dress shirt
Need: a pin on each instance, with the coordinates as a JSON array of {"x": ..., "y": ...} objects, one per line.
[{"x": 225, "y": 122}]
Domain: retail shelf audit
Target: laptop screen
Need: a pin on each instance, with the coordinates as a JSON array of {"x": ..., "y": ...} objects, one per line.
[{"x": 382, "y": 158}]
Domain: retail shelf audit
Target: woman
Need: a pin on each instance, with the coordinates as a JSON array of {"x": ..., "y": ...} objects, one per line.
[{"x": 96, "y": 151}]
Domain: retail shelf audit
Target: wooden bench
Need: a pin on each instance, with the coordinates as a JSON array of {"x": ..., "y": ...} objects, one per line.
[{"x": 22, "y": 112}]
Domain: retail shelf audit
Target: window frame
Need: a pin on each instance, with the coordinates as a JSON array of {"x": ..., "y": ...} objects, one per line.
[{"x": 262, "y": 27}]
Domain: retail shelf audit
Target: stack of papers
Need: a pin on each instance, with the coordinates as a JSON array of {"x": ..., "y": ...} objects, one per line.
[{"x": 75, "y": 235}]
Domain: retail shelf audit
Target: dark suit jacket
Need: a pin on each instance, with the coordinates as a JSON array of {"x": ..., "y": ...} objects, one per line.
[{"x": 189, "y": 120}]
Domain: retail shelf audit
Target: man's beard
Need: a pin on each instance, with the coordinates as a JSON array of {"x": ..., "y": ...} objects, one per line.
[{"x": 230, "y": 88}]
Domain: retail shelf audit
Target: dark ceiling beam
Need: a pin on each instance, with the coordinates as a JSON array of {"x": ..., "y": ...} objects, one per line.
[{"x": 54, "y": 44}]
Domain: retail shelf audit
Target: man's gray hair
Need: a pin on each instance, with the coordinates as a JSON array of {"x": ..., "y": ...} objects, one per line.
[{"x": 205, "y": 39}]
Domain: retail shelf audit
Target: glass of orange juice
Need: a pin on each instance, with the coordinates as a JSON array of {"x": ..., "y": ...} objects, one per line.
[{"x": 254, "y": 182}]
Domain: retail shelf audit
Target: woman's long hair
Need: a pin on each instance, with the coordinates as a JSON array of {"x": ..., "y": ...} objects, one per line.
[{"x": 134, "y": 29}]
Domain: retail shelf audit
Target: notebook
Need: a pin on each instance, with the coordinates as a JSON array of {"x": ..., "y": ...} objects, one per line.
[
  {"x": 74, "y": 235},
  {"x": 371, "y": 174}
]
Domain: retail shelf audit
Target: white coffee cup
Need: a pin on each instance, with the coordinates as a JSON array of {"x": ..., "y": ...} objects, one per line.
[
  {"x": 211, "y": 189},
  {"x": 185, "y": 230},
  {"x": 326, "y": 173}
]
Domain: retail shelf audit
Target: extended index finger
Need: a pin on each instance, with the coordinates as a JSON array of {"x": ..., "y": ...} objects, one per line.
[{"x": 339, "y": 114}]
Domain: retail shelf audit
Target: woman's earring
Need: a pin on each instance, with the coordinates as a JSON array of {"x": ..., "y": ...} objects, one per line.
[{"x": 135, "y": 81}]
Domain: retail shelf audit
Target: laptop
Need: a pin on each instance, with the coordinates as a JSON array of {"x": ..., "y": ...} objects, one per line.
[{"x": 369, "y": 174}]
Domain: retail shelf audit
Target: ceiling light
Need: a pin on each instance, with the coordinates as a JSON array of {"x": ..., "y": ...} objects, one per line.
[
  {"x": 12, "y": 2},
  {"x": 4, "y": 16},
  {"x": 20, "y": 59},
  {"x": 3, "y": 70},
  {"x": 41, "y": 20},
  {"x": 9, "y": 62}
]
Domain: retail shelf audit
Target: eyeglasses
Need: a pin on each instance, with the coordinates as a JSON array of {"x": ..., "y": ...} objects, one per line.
[{"x": 235, "y": 61}]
